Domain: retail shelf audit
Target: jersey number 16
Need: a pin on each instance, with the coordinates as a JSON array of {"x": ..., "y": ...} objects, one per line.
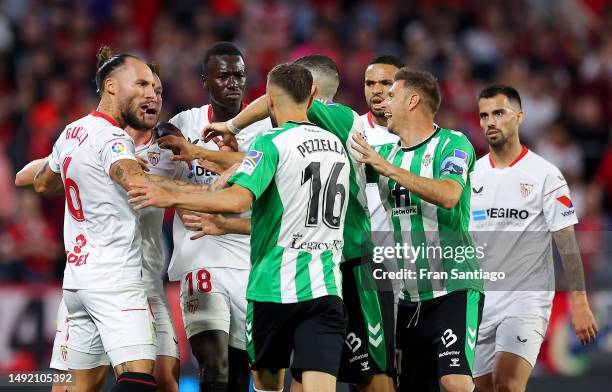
[{"x": 334, "y": 195}]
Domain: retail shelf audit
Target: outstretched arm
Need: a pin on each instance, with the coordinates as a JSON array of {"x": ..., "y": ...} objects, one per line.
[
  {"x": 255, "y": 111},
  {"x": 216, "y": 224},
  {"x": 232, "y": 200},
  {"x": 189, "y": 152},
  {"x": 25, "y": 177},
  {"x": 48, "y": 182},
  {"x": 583, "y": 321},
  {"x": 127, "y": 172}
]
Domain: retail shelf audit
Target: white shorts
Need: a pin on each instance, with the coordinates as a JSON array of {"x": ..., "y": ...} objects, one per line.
[
  {"x": 116, "y": 322},
  {"x": 167, "y": 343},
  {"x": 215, "y": 299},
  {"x": 521, "y": 335}
]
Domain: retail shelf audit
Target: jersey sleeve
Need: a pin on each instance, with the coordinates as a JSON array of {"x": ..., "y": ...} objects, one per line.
[
  {"x": 54, "y": 159},
  {"x": 258, "y": 166},
  {"x": 557, "y": 203},
  {"x": 457, "y": 159},
  {"x": 114, "y": 146},
  {"x": 331, "y": 117}
]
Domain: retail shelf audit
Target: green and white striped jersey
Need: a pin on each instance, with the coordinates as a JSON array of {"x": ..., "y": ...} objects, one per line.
[
  {"x": 344, "y": 122},
  {"x": 299, "y": 176},
  {"x": 442, "y": 249}
]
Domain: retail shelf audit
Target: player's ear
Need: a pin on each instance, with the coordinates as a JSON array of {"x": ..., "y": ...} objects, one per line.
[
  {"x": 313, "y": 94},
  {"x": 413, "y": 100},
  {"x": 110, "y": 86},
  {"x": 520, "y": 116},
  {"x": 204, "y": 82}
]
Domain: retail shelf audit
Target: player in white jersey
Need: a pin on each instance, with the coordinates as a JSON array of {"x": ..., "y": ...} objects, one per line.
[
  {"x": 213, "y": 270},
  {"x": 378, "y": 80},
  {"x": 519, "y": 203},
  {"x": 103, "y": 291},
  {"x": 150, "y": 222}
]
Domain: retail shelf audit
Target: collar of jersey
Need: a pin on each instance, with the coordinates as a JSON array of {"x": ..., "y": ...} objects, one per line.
[
  {"x": 301, "y": 123},
  {"x": 416, "y": 146},
  {"x": 105, "y": 116},
  {"x": 210, "y": 112}
]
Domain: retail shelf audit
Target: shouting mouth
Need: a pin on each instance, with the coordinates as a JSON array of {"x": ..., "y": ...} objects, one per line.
[{"x": 377, "y": 103}]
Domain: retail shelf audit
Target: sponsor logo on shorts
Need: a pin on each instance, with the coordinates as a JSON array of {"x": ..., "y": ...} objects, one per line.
[
  {"x": 373, "y": 335},
  {"x": 192, "y": 305},
  {"x": 471, "y": 340},
  {"x": 352, "y": 341},
  {"x": 448, "y": 338},
  {"x": 359, "y": 357},
  {"x": 248, "y": 330},
  {"x": 365, "y": 365},
  {"x": 447, "y": 353},
  {"x": 454, "y": 362}
]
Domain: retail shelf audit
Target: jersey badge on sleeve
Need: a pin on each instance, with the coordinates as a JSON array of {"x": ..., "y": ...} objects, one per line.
[
  {"x": 455, "y": 164},
  {"x": 250, "y": 162},
  {"x": 118, "y": 147}
]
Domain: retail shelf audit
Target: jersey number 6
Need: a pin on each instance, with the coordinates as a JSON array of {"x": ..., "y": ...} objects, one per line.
[{"x": 75, "y": 207}]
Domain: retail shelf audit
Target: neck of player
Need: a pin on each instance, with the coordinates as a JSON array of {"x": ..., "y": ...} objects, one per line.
[
  {"x": 416, "y": 130},
  {"x": 224, "y": 113},
  {"x": 106, "y": 107},
  {"x": 379, "y": 120},
  {"x": 140, "y": 137},
  {"x": 296, "y": 114},
  {"x": 503, "y": 155}
]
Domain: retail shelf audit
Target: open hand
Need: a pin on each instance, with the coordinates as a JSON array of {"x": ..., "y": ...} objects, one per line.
[
  {"x": 205, "y": 224},
  {"x": 183, "y": 150},
  {"x": 370, "y": 157},
  {"x": 149, "y": 195}
]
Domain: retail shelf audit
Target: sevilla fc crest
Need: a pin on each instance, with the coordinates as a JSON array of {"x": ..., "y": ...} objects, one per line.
[
  {"x": 153, "y": 157},
  {"x": 526, "y": 189}
]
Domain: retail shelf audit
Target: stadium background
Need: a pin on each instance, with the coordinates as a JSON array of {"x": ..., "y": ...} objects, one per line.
[{"x": 557, "y": 53}]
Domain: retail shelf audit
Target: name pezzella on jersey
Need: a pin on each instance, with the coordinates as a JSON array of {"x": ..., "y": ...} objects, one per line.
[{"x": 316, "y": 145}]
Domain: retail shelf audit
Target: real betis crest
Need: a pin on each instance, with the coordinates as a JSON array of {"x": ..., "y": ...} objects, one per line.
[{"x": 427, "y": 159}]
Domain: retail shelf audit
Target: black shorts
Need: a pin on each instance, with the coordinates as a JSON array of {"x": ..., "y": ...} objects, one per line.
[
  {"x": 437, "y": 337},
  {"x": 368, "y": 347},
  {"x": 314, "y": 330}
]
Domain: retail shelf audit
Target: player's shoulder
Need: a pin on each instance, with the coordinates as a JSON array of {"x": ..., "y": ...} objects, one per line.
[
  {"x": 191, "y": 116},
  {"x": 483, "y": 163},
  {"x": 534, "y": 160},
  {"x": 453, "y": 136}
]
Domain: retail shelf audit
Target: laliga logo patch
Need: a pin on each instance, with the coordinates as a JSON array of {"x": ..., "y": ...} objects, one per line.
[
  {"x": 250, "y": 162},
  {"x": 455, "y": 164},
  {"x": 118, "y": 147}
]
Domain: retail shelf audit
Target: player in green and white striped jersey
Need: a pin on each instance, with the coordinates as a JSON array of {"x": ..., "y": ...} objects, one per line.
[
  {"x": 367, "y": 359},
  {"x": 298, "y": 176},
  {"x": 424, "y": 185}
]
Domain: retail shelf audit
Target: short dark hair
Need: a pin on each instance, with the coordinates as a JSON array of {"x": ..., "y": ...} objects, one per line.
[
  {"x": 154, "y": 68},
  {"x": 222, "y": 48},
  {"x": 107, "y": 63},
  {"x": 319, "y": 63},
  {"x": 425, "y": 83},
  {"x": 294, "y": 79},
  {"x": 500, "y": 89},
  {"x": 388, "y": 59}
]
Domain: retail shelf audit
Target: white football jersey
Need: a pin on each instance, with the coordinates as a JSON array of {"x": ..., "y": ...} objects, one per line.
[
  {"x": 151, "y": 219},
  {"x": 101, "y": 235},
  {"x": 377, "y": 135},
  {"x": 230, "y": 250},
  {"x": 514, "y": 212}
]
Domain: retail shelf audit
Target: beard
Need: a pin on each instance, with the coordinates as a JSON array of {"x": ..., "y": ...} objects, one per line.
[{"x": 131, "y": 118}]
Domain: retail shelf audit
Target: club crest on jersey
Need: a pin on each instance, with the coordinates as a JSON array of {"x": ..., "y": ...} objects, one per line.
[
  {"x": 526, "y": 189},
  {"x": 153, "y": 157},
  {"x": 455, "y": 164},
  {"x": 427, "y": 159},
  {"x": 118, "y": 147},
  {"x": 250, "y": 162}
]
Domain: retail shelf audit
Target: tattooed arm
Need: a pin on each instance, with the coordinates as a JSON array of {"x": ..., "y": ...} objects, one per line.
[
  {"x": 127, "y": 171},
  {"x": 48, "y": 182}
]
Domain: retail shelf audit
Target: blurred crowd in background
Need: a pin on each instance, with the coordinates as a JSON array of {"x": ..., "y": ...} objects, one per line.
[{"x": 558, "y": 54}]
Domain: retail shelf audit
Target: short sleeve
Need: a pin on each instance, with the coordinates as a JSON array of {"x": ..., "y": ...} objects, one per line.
[
  {"x": 258, "y": 167},
  {"x": 457, "y": 159},
  {"x": 557, "y": 204},
  {"x": 114, "y": 147},
  {"x": 54, "y": 160}
]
